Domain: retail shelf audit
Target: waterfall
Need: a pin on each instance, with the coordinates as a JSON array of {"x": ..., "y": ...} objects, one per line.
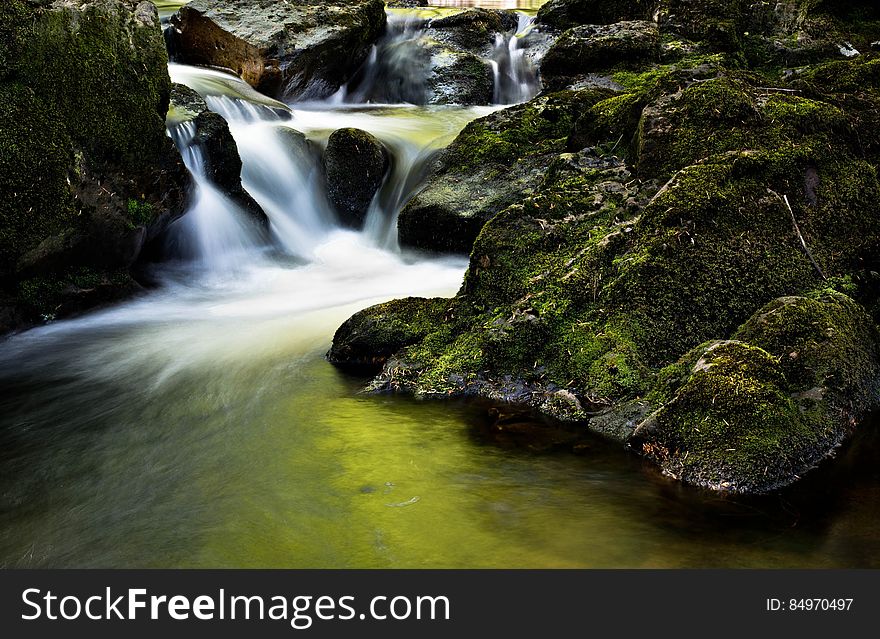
[
  {"x": 399, "y": 65},
  {"x": 280, "y": 172},
  {"x": 215, "y": 233},
  {"x": 280, "y": 148},
  {"x": 516, "y": 79},
  {"x": 396, "y": 69}
]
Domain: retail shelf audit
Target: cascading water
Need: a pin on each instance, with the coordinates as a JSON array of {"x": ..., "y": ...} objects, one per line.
[
  {"x": 200, "y": 426},
  {"x": 215, "y": 233},
  {"x": 399, "y": 65},
  {"x": 516, "y": 78},
  {"x": 397, "y": 68}
]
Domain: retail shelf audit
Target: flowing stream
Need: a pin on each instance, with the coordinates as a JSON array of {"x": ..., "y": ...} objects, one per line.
[{"x": 200, "y": 426}]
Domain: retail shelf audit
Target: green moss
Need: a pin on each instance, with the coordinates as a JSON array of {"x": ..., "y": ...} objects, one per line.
[
  {"x": 753, "y": 414},
  {"x": 140, "y": 213},
  {"x": 732, "y": 425},
  {"x": 367, "y": 339},
  {"x": 535, "y": 128},
  {"x": 35, "y": 158},
  {"x": 105, "y": 74}
]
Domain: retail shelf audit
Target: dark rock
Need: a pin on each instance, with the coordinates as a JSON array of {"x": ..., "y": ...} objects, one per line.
[
  {"x": 305, "y": 49},
  {"x": 473, "y": 30},
  {"x": 491, "y": 165},
  {"x": 368, "y": 338},
  {"x": 87, "y": 168},
  {"x": 459, "y": 78},
  {"x": 593, "y": 48},
  {"x": 212, "y": 135},
  {"x": 406, "y": 4},
  {"x": 565, "y": 14},
  {"x": 355, "y": 164}
]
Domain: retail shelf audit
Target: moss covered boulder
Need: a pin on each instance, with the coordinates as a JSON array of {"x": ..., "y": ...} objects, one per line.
[
  {"x": 658, "y": 218},
  {"x": 756, "y": 413},
  {"x": 305, "y": 49},
  {"x": 368, "y": 338},
  {"x": 355, "y": 164},
  {"x": 87, "y": 170},
  {"x": 595, "y": 48}
]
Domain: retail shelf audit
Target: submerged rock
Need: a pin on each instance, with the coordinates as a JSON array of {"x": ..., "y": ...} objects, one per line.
[
  {"x": 303, "y": 49},
  {"x": 87, "y": 171},
  {"x": 355, "y": 164}
]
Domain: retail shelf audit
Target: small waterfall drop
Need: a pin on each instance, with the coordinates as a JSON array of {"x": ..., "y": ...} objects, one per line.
[
  {"x": 397, "y": 68},
  {"x": 280, "y": 172},
  {"x": 215, "y": 233},
  {"x": 516, "y": 78}
]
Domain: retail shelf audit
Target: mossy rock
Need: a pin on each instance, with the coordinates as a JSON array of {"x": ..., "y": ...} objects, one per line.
[
  {"x": 369, "y": 337},
  {"x": 595, "y": 48},
  {"x": 90, "y": 172},
  {"x": 756, "y": 413},
  {"x": 489, "y": 167}
]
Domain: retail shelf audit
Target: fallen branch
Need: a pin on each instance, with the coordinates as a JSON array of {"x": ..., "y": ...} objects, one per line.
[{"x": 797, "y": 229}]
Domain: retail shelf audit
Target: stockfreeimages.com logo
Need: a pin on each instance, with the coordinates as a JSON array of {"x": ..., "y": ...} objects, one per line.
[{"x": 301, "y": 611}]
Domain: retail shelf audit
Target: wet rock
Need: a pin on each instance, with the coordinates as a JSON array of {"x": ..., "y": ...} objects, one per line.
[
  {"x": 458, "y": 77},
  {"x": 565, "y": 14},
  {"x": 296, "y": 50},
  {"x": 473, "y": 30},
  {"x": 222, "y": 161},
  {"x": 592, "y": 48},
  {"x": 355, "y": 163},
  {"x": 88, "y": 172}
]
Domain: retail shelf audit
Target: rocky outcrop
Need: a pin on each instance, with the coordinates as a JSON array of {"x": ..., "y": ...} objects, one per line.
[
  {"x": 690, "y": 268},
  {"x": 87, "y": 171},
  {"x": 297, "y": 50},
  {"x": 565, "y": 14},
  {"x": 754, "y": 413},
  {"x": 355, "y": 164},
  {"x": 212, "y": 135},
  {"x": 473, "y": 30}
]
